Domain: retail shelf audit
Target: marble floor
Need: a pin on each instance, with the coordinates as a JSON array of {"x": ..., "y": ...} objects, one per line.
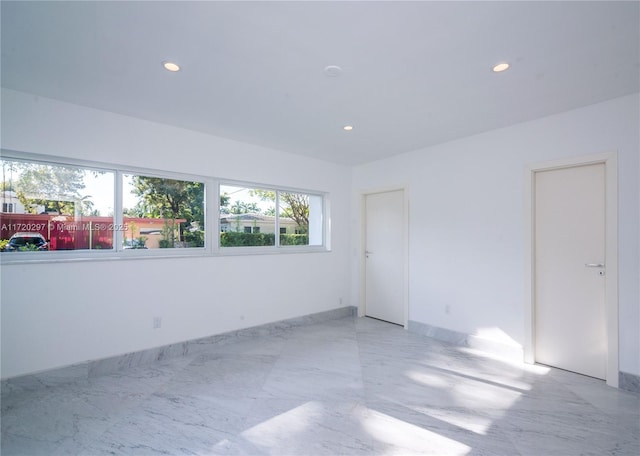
[{"x": 344, "y": 387}]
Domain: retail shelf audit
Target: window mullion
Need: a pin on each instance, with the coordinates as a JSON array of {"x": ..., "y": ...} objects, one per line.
[
  {"x": 118, "y": 215},
  {"x": 277, "y": 224},
  {"x": 212, "y": 217}
]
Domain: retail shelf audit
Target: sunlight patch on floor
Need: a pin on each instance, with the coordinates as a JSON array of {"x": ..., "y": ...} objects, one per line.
[
  {"x": 459, "y": 418},
  {"x": 401, "y": 437},
  {"x": 483, "y": 395},
  {"x": 268, "y": 434},
  {"x": 481, "y": 353},
  {"x": 537, "y": 369},
  {"x": 435, "y": 380},
  {"x": 495, "y": 334}
]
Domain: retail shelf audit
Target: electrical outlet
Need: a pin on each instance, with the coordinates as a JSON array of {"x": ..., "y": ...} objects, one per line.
[{"x": 157, "y": 322}]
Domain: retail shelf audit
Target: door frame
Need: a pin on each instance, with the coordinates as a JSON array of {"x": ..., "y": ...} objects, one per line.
[
  {"x": 404, "y": 228},
  {"x": 610, "y": 161}
]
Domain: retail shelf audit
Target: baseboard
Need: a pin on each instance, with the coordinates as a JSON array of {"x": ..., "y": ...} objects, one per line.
[
  {"x": 113, "y": 364},
  {"x": 629, "y": 382},
  {"x": 495, "y": 348}
]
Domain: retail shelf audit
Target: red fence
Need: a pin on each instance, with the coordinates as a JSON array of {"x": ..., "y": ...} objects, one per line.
[
  {"x": 62, "y": 231},
  {"x": 66, "y": 232}
]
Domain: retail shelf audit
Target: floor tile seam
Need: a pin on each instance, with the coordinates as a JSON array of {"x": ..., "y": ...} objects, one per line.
[
  {"x": 100, "y": 415},
  {"x": 606, "y": 409},
  {"x": 114, "y": 423},
  {"x": 30, "y": 437},
  {"x": 166, "y": 382},
  {"x": 533, "y": 426},
  {"x": 515, "y": 436},
  {"x": 567, "y": 392},
  {"x": 261, "y": 390},
  {"x": 282, "y": 366},
  {"x": 124, "y": 421},
  {"x": 539, "y": 411},
  {"x": 233, "y": 356},
  {"x": 211, "y": 351},
  {"x": 361, "y": 374},
  {"x": 57, "y": 444}
]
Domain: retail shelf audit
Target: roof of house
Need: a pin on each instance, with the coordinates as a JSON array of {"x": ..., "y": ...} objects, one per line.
[{"x": 251, "y": 217}]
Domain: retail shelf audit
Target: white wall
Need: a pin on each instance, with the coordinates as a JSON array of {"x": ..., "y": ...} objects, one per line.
[
  {"x": 57, "y": 314},
  {"x": 466, "y": 214},
  {"x": 466, "y": 235}
]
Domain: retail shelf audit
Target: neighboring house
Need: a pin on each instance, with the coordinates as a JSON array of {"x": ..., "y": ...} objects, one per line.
[
  {"x": 256, "y": 223},
  {"x": 151, "y": 230},
  {"x": 11, "y": 203}
]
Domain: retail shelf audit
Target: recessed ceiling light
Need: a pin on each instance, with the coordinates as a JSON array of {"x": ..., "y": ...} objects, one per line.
[
  {"x": 347, "y": 127},
  {"x": 332, "y": 71},
  {"x": 170, "y": 66},
  {"x": 500, "y": 67}
]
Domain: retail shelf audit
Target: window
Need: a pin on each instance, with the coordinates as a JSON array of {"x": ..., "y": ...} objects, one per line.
[
  {"x": 91, "y": 210},
  {"x": 251, "y": 217},
  {"x": 247, "y": 216},
  {"x": 301, "y": 215},
  {"x": 70, "y": 207},
  {"x": 162, "y": 213}
]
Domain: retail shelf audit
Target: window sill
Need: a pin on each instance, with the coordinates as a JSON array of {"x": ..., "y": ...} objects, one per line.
[{"x": 16, "y": 258}]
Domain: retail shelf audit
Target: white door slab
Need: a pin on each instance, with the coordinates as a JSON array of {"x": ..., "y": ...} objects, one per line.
[
  {"x": 569, "y": 271},
  {"x": 384, "y": 256}
]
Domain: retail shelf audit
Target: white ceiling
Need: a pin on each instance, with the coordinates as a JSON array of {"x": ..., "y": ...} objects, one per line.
[{"x": 414, "y": 73}]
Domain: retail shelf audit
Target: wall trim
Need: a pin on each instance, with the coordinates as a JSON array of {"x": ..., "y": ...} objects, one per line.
[
  {"x": 509, "y": 352},
  {"x": 629, "y": 382},
  {"x": 105, "y": 366}
]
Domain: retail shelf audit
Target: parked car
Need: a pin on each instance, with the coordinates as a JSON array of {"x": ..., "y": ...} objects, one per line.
[
  {"x": 134, "y": 244},
  {"x": 27, "y": 241}
]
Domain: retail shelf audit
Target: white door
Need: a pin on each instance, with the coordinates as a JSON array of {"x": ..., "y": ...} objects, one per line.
[
  {"x": 384, "y": 256},
  {"x": 570, "y": 313}
]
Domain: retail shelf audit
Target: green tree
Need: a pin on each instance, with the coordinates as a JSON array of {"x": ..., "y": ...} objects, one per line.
[
  {"x": 9, "y": 167},
  {"x": 171, "y": 199},
  {"x": 224, "y": 203},
  {"x": 57, "y": 188},
  {"x": 7, "y": 186},
  {"x": 242, "y": 207},
  {"x": 296, "y": 206},
  {"x": 292, "y": 205},
  {"x": 137, "y": 211}
]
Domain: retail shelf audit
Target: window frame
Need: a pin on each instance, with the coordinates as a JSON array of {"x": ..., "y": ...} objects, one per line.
[
  {"x": 277, "y": 248},
  {"x": 175, "y": 251},
  {"x": 211, "y": 218}
]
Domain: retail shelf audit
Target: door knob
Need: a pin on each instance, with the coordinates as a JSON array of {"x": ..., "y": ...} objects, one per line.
[{"x": 594, "y": 265}]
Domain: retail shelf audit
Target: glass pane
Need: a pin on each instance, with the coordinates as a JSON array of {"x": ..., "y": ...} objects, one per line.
[
  {"x": 294, "y": 217},
  {"x": 162, "y": 213},
  {"x": 55, "y": 207},
  {"x": 247, "y": 217}
]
